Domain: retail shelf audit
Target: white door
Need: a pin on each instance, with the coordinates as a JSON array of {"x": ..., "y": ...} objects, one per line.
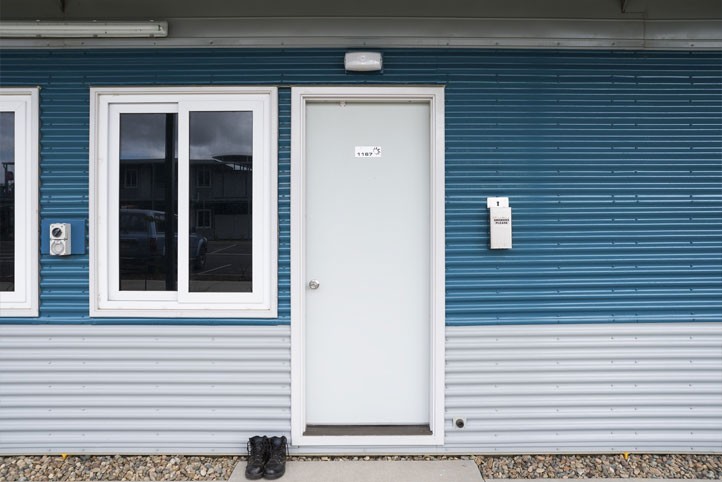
[{"x": 368, "y": 263}]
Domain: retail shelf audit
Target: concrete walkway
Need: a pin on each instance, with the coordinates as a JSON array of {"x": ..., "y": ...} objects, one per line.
[
  {"x": 375, "y": 471},
  {"x": 402, "y": 471}
]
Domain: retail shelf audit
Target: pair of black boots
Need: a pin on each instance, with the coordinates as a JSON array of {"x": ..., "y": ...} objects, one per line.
[{"x": 266, "y": 457}]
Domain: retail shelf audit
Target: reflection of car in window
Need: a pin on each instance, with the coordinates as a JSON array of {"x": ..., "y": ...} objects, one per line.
[{"x": 142, "y": 241}]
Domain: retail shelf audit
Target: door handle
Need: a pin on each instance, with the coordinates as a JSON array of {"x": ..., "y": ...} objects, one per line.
[{"x": 314, "y": 284}]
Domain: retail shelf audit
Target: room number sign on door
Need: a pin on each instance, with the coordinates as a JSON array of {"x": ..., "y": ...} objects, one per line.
[{"x": 368, "y": 151}]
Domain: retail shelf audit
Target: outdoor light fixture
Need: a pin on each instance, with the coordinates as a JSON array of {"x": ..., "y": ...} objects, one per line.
[
  {"x": 363, "y": 61},
  {"x": 43, "y": 29}
]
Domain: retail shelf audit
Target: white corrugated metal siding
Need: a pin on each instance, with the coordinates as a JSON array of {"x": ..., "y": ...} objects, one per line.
[
  {"x": 192, "y": 389},
  {"x": 586, "y": 388},
  {"x": 141, "y": 389}
]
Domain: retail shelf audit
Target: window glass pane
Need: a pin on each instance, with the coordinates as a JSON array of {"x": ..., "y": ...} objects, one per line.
[
  {"x": 148, "y": 202},
  {"x": 221, "y": 154},
  {"x": 7, "y": 201}
]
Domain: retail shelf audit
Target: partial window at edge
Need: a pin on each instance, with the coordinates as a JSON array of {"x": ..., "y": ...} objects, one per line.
[
  {"x": 18, "y": 202},
  {"x": 7, "y": 201}
]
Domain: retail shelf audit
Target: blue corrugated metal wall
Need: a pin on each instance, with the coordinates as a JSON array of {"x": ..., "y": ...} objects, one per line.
[{"x": 612, "y": 162}]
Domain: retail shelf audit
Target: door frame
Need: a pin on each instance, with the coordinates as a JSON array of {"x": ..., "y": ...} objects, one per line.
[{"x": 434, "y": 96}]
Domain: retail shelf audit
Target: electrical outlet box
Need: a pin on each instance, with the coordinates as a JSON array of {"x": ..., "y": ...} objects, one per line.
[
  {"x": 458, "y": 423},
  {"x": 76, "y": 234},
  {"x": 60, "y": 239}
]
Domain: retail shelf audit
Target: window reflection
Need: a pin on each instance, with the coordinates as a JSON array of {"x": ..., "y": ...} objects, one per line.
[
  {"x": 7, "y": 201},
  {"x": 221, "y": 147},
  {"x": 148, "y": 202}
]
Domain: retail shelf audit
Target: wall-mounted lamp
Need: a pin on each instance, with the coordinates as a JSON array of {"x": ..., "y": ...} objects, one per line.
[
  {"x": 363, "y": 61},
  {"x": 43, "y": 29}
]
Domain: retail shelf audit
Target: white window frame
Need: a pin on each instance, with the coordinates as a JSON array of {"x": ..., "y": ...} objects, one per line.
[
  {"x": 23, "y": 300},
  {"x": 106, "y": 297}
]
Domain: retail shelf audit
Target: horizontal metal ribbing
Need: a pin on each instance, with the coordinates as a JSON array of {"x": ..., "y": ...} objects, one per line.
[{"x": 79, "y": 387}]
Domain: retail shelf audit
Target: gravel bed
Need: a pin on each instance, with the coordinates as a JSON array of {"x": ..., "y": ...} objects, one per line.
[
  {"x": 606, "y": 466},
  {"x": 179, "y": 467},
  {"x": 96, "y": 467}
]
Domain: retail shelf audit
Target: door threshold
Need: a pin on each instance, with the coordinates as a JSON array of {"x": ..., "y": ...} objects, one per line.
[{"x": 366, "y": 430}]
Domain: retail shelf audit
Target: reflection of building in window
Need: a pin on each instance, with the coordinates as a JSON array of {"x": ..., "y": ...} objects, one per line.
[
  {"x": 7, "y": 202},
  {"x": 203, "y": 177},
  {"x": 229, "y": 198},
  {"x": 203, "y": 218},
  {"x": 130, "y": 179},
  {"x": 7, "y": 191},
  {"x": 7, "y": 226}
]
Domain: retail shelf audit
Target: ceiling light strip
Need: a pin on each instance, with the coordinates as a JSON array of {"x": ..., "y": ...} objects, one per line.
[{"x": 46, "y": 29}]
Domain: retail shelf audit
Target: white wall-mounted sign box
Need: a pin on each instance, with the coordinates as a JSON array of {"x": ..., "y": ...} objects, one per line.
[{"x": 499, "y": 222}]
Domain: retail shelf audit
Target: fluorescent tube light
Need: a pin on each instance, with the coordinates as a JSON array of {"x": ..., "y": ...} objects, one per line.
[{"x": 47, "y": 29}]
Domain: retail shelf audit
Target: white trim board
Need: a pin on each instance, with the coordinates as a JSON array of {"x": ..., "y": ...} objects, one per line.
[
  {"x": 106, "y": 297},
  {"x": 299, "y": 97}
]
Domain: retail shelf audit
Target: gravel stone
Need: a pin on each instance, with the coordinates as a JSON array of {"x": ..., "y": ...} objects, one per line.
[{"x": 181, "y": 467}]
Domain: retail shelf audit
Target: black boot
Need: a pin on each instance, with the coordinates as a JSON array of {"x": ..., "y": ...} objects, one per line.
[
  {"x": 257, "y": 456},
  {"x": 276, "y": 464}
]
